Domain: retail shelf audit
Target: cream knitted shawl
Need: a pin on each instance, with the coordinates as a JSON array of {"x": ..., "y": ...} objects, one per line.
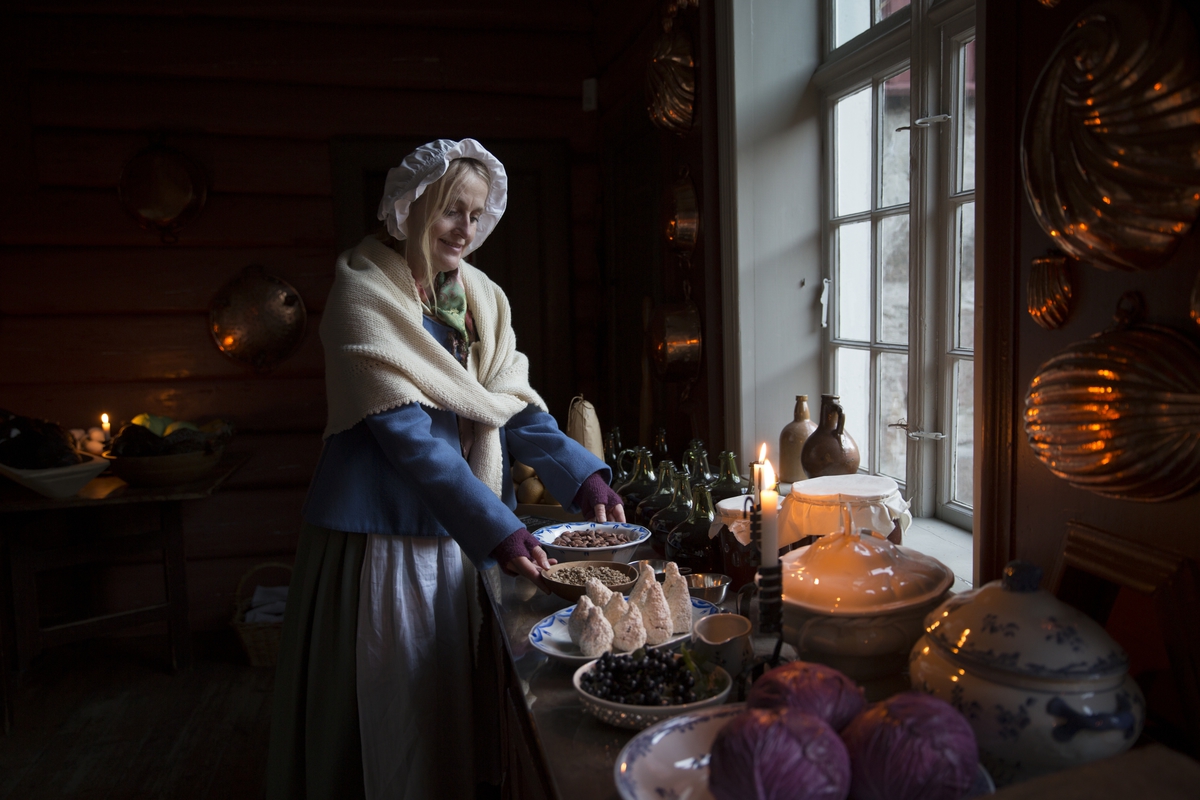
[{"x": 379, "y": 356}]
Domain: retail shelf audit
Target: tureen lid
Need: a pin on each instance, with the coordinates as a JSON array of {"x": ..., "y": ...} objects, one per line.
[
  {"x": 1012, "y": 626},
  {"x": 857, "y": 573}
]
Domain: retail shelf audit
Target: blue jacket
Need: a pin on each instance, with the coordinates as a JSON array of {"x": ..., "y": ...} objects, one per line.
[{"x": 401, "y": 472}]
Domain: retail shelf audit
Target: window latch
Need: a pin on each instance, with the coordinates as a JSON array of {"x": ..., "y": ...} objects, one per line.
[
  {"x": 917, "y": 434},
  {"x": 825, "y": 283},
  {"x": 925, "y": 122}
]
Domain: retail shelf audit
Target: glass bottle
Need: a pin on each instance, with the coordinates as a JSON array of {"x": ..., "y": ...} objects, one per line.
[
  {"x": 729, "y": 483},
  {"x": 659, "y": 499},
  {"x": 671, "y": 515},
  {"x": 661, "y": 450},
  {"x": 612, "y": 457},
  {"x": 688, "y": 543},
  {"x": 696, "y": 464},
  {"x": 641, "y": 482}
]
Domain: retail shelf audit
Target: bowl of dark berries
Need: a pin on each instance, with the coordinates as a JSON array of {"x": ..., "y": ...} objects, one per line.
[{"x": 636, "y": 690}]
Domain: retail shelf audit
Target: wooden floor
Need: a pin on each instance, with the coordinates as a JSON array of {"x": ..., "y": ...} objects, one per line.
[{"x": 106, "y": 719}]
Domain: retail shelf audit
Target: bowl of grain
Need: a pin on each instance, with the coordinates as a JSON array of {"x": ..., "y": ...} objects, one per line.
[
  {"x": 591, "y": 541},
  {"x": 568, "y": 579}
]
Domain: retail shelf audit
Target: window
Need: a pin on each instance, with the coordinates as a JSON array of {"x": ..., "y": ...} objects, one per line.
[{"x": 899, "y": 91}]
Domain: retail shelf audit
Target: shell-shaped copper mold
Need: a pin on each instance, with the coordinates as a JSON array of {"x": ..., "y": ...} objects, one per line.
[
  {"x": 1049, "y": 294},
  {"x": 1119, "y": 414},
  {"x": 1111, "y": 144},
  {"x": 671, "y": 83}
]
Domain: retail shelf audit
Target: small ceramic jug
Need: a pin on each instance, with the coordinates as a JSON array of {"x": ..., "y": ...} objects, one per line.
[
  {"x": 724, "y": 640},
  {"x": 829, "y": 450},
  {"x": 791, "y": 442}
]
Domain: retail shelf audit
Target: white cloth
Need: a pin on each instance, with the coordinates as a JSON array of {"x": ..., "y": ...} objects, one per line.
[
  {"x": 378, "y": 354},
  {"x": 819, "y": 506},
  {"x": 413, "y": 667},
  {"x": 425, "y": 165},
  {"x": 267, "y": 604}
]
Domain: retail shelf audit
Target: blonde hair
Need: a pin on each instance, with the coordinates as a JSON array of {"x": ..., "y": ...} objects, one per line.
[{"x": 433, "y": 202}]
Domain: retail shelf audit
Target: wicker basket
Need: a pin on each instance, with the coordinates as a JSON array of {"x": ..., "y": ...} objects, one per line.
[{"x": 260, "y": 640}]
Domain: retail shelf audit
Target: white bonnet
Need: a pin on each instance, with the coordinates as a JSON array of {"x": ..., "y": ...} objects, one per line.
[{"x": 425, "y": 165}]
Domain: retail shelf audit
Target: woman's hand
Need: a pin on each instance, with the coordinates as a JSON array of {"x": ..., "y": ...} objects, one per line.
[
  {"x": 598, "y": 502},
  {"x": 520, "y": 554},
  {"x": 530, "y": 567}
]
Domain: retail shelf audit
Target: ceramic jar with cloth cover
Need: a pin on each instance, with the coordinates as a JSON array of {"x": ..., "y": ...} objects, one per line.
[
  {"x": 843, "y": 503},
  {"x": 1042, "y": 684},
  {"x": 857, "y": 602}
]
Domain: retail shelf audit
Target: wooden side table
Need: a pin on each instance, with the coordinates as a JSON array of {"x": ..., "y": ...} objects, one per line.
[{"x": 24, "y": 516}]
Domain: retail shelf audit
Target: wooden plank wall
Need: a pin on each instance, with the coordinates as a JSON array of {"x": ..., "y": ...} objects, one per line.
[{"x": 98, "y": 315}]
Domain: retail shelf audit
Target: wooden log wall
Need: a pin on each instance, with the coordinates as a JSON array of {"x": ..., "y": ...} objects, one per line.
[{"x": 99, "y": 315}]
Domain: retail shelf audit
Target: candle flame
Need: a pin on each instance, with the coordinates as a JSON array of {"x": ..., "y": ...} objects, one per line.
[
  {"x": 768, "y": 475},
  {"x": 104, "y": 419},
  {"x": 762, "y": 453}
]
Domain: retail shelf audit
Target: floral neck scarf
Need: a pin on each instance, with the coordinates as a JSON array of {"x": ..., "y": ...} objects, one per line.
[{"x": 449, "y": 305}]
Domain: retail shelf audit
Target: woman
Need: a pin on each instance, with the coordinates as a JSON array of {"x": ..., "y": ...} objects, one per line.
[{"x": 429, "y": 402}]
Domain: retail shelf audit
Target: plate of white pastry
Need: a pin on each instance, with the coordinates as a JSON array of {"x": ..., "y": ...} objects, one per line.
[{"x": 653, "y": 615}]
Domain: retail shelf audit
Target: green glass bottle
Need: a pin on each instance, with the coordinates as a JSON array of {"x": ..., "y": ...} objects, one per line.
[
  {"x": 729, "y": 483},
  {"x": 661, "y": 498},
  {"x": 688, "y": 543},
  {"x": 641, "y": 482},
  {"x": 671, "y": 515}
]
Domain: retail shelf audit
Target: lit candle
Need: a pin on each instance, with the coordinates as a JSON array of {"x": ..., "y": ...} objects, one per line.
[
  {"x": 756, "y": 484},
  {"x": 770, "y": 517},
  {"x": 104, "y": 426}
]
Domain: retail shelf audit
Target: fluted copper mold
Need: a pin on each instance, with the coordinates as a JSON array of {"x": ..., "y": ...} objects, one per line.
[
  {"x": 671, "y": 83},
  {"x": 1049, "y": 294},
  {"x": 1194, "y": 301},
  {"x": 1119, "y": 414},
  {"x": 1109, "y": 150}
]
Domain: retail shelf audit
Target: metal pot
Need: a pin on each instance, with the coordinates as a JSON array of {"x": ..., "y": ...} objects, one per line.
[{"x": 675, "y": 341}]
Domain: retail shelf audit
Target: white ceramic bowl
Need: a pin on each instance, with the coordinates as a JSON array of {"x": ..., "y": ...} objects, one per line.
[
  {"x": 624, "y": 715},
  {"x": 858, "y": 603},
  {"x": 58, "y": 482},
  {"x": 635, "y": 534}
]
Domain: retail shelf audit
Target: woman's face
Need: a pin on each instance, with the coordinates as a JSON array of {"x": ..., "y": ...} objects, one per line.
[{"x": 450, "y": 233}]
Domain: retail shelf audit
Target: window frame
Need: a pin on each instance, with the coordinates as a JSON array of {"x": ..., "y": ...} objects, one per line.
[{"x": 915, "y": 36}]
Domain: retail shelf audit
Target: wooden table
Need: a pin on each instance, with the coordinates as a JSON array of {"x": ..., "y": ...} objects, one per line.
[{"x": 39, "y": 533}]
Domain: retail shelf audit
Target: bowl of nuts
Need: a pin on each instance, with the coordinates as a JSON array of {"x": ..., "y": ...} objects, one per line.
[
  {"x": 568, "y": 579},
  {"x": 591, "y": 541}
]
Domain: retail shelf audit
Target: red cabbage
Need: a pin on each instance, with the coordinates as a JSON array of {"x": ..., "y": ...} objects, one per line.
[
  {"x": 812, "y": 688},
  {"x": 911, "y": 746},
  {"x": 778, "y": 754}
]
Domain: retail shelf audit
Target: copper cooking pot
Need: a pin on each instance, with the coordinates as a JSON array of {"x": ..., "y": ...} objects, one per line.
[{"x": 675, "y": 341}]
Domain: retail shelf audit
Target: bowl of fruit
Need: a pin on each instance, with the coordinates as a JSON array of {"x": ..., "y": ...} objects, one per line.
[
  {"x": 636, "y": 690},
  {"x": 154, "y": 450}
]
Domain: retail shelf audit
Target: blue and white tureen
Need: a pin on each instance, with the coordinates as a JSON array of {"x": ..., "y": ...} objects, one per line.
[{"x": 1043, "y": 685}]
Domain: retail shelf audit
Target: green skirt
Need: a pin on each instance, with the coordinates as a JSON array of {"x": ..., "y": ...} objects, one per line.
[{"x": 315, "y": 749}]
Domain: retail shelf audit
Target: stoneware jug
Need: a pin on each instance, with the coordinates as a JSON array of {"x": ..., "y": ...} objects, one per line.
[
  {"x": 829, "y": 450},
  {"x": 791, "y": 442}
]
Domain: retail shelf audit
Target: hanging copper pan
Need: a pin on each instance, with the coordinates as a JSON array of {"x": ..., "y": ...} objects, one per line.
[
  {"x": 675, "y": 341},
  {"x": 162, "y": 189}
]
